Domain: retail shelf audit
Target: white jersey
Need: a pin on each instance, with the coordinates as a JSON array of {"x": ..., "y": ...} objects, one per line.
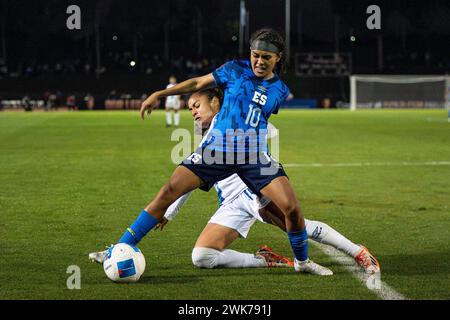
[{"x": 172, "y": 101}]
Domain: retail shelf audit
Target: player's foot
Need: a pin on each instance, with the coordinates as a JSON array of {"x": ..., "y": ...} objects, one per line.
[
  {"x": 310, "y": 266},
  {"x": 366, "y": 260},
  {"x": 273, "y": 259},
  {"x": 100, "y": 256}
]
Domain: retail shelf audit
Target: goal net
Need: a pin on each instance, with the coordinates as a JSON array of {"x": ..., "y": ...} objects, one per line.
[{"x": 399, "y": 92}]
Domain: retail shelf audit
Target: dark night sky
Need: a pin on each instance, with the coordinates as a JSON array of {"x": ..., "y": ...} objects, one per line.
[
  {"x": 35, "y": 41},
  {"x": 37, "y": 26}
]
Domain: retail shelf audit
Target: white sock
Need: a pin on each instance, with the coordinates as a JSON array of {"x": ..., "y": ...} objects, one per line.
[
  {"x": 323, "y": 233},
  {"x": 176, "y": 118},
  {"x": 234, "y": 259},
  {"x": 168, "y": 118},
  {"x": 211, "y": 258}
]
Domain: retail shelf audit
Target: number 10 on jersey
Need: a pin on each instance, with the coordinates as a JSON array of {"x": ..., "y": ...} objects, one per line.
[{"x": 253, "y": 116}]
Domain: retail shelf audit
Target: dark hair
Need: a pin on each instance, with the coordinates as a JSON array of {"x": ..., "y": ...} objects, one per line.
[
  {"x": 275, "y": 38},
  {"x": 213, "y": 92}
]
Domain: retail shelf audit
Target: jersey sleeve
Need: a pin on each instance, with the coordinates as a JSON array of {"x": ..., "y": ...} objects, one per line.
[
  {"x": 284, "y": 94},
  {"x": 175, "y": 207},
  {"x": 224, "y": 73}
]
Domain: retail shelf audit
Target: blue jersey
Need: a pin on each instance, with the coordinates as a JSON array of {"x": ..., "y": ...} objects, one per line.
[{"x": 248, "y": 103}]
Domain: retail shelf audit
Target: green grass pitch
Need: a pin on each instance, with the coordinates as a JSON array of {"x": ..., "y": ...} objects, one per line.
[{"x": 72, "y": 182}]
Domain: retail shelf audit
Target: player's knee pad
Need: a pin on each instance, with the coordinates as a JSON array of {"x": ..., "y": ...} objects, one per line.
[{"x": 204, "y": 257}]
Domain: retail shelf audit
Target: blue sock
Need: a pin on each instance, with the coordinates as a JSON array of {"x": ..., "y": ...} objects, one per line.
[
  {"x": 299, "y": 244},
  {"x": 140, "y": 227}
]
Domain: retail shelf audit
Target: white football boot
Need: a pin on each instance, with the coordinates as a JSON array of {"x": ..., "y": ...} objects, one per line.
[
  {"x": 100, "y": 256},
  {"x": 310, "y": 266}
]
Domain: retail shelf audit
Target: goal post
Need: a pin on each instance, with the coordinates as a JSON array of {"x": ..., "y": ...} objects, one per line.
[{"x": 399, "y": 92}]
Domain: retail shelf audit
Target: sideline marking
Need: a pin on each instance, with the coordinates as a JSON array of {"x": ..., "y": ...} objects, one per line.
[
  {"x": 369, "y": 164},
  {"x": 430, "y": 119},
  {"x": 384, "y": 291}
]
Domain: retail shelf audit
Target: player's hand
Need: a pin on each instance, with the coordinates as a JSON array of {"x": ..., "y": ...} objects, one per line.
[
  {"x": 162, "y": 223},
  {"x": 148, "y": 104}
]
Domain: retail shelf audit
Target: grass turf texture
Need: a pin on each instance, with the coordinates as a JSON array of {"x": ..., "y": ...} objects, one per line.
[{"x": 72, "y": 182}]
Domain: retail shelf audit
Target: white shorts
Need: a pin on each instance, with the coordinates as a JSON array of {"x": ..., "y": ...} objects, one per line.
[
  {"x": 239, "y": 214},
  {"x": 172, "y": 103}
]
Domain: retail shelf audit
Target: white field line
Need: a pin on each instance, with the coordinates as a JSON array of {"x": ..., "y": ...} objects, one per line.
[
  {"x": 430, "y": 119},
  {"x": 368, "y": 164},
  {"x": 372, "y": 282}
]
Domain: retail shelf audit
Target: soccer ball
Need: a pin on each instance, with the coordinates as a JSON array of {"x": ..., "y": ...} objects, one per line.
[{"x": 124, "y": 263}]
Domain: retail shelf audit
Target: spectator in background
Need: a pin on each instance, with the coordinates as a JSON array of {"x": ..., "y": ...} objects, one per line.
[
  {"x": 112, "y": 101},
  {"x": 89, "y": 101},
  {"x": 326, "y": 103},
  {"x": 59, "y": 98},
  {"x": 45, "y": 97},
  {"x": 51, "y": 102},
  {"x": 71, "y": 102},
  {"x": 112, "y": 95},
  {"x": 126, "y": 98},
  {"x": 26, "y": 103}
]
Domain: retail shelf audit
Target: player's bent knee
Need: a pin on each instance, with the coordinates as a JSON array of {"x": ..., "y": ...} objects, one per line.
[
  {"x": 291, "y": 211},
  {"x": 204, "y": 257},
  {"x": 168, "y": 191}
]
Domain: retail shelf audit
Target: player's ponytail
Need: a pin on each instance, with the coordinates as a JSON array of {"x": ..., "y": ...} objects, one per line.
[{"x": 275, "y": 38}]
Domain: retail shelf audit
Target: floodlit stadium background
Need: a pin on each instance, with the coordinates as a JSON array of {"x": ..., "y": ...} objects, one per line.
[{"x": 72, "y": 181}]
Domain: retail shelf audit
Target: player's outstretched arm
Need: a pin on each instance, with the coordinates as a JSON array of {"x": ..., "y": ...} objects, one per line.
[
  {"x": 173, "y": 210},
  {"x": 185, "y": 87}
]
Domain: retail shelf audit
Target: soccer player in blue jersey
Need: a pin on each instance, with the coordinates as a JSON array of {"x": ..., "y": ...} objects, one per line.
[
  {"x": 236, "y": 143},
  {"x": 239, "y": 208}
]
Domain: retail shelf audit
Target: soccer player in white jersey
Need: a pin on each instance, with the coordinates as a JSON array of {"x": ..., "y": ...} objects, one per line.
[
  {"x": 172, "y": 103},
  {"x": 239, "y": 208}
]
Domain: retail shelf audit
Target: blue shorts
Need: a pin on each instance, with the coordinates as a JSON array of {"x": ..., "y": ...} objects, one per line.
[{"x": 255, "y": 174}]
